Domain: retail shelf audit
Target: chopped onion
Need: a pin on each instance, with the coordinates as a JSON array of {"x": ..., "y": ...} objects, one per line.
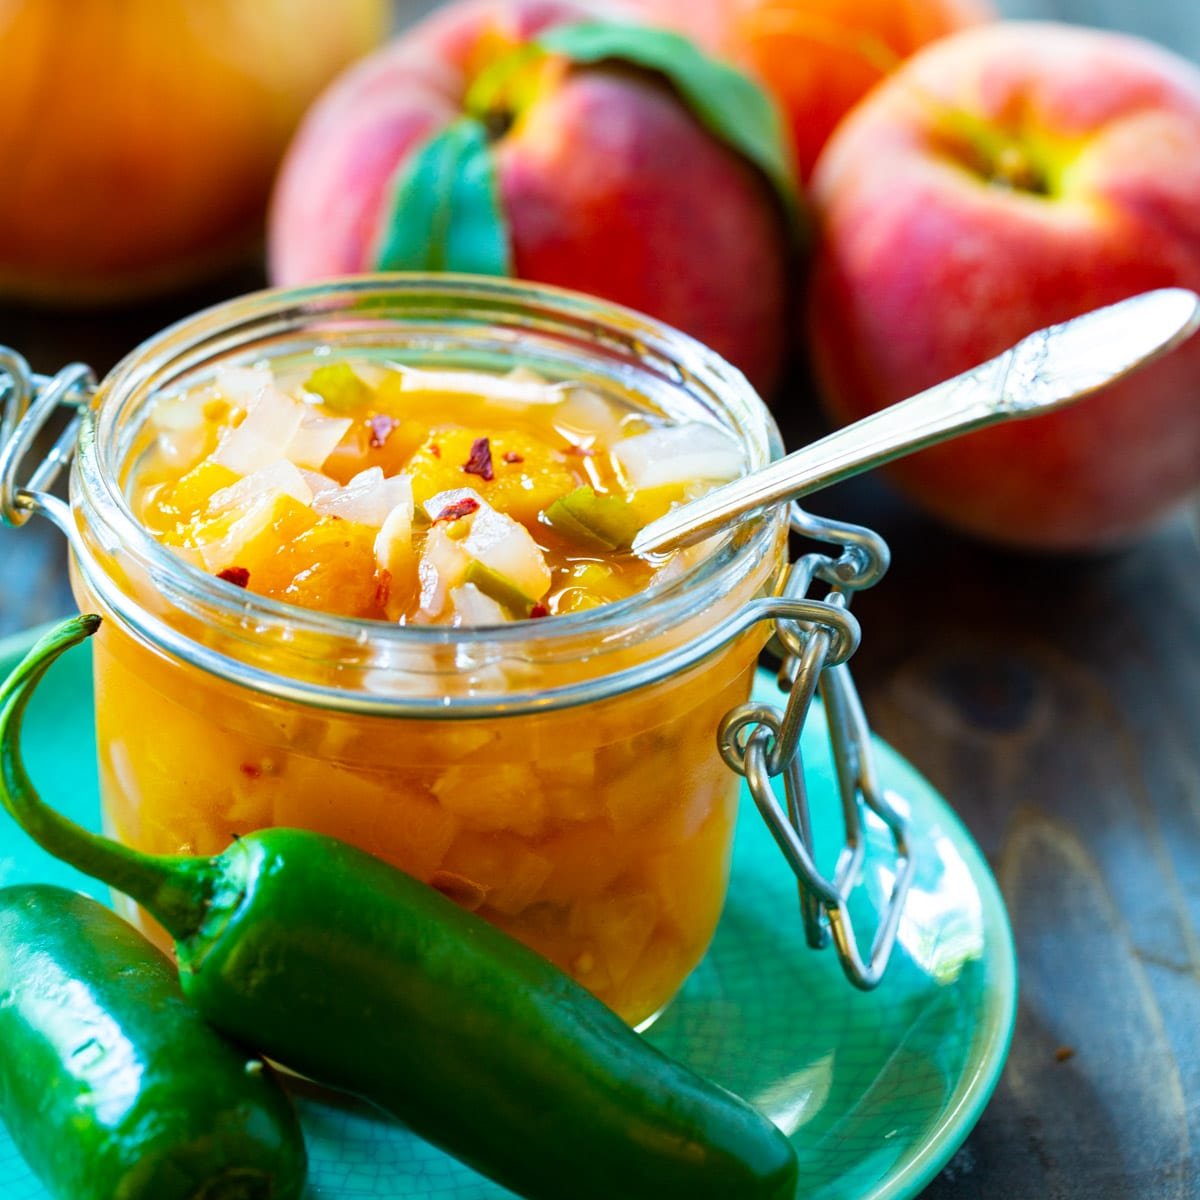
[
  {"x": 258, "y": 441},
  {"x": 177, "y": 414},
  {"x": 586, "y": 418},
  {"x": 513, "y": 387},
  {"x": 507, "y": 547},
  {"x": 472, "y": 607},
  {"x": 678, "y": 454},
  {"x": 442, "y": 567},
  {"x": 183, "y": 448},
  {"x": 243, "y": 385},
  {"x": 679, "y": 562},
  {"x": 368, "y": 498},
  {"x": 280, "y": 477},
  {"x": 316, "y": 439},
  {"x": 438, "y": 503},
  {"x": 183, "y": 431},
  {"x": 497, "y": 541},
  {"x": 319, "y": 483},
  {"x": 393, "y": 543}
]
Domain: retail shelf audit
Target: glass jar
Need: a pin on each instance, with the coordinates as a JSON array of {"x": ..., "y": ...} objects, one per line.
[{"x": 562, "y": 777}]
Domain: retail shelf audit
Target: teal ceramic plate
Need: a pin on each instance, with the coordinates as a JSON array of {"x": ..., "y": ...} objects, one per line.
[{"x": 876, "y": 1089}]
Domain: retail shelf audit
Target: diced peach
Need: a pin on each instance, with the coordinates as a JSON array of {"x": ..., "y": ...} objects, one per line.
[
  {"x": 340, "y": 803},
  {"x": 640, "y": 793},
  {"x": 375, "y": 440},
  {"x": 189, "y": 497},
  {"x": 703, "y": 861},
  {"x": 510, "y": 872},
  {"x": 528, "y": 473},
  {"x": 250, "y": 537},
  {"x": 413, "y": 832},
  {"x": 585, "y": 858},
  {"x": 330, "y": 566},
  {"x": 501, "y": 795},
  {"x": 569, "y": 785},
  {"x": 617, "y": 928},
  {"x": 249, "y": 785},
  {"x": 651, "y": 980}
]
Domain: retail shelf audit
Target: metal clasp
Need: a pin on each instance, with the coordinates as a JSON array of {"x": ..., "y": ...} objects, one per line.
[
  {"x": 761, "y": 742},
  {"x": 27, "y": 404}
]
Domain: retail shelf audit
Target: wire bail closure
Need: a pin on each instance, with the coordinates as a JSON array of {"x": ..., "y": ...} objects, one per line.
[
  {"x": 27, "y": 404},
  {"x": 761, "y": 742}
]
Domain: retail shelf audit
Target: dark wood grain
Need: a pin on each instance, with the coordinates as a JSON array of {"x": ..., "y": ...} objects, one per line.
[{"x": 1057, "y": 704}]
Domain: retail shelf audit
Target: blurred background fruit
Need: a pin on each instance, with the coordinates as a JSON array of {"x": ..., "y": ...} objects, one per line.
[
  {"x": 817, "y": 57},
  {"x": 1005, "y": 179},
  {"x": 464, "y": 145},
  {"x": 139, "y": 137}
]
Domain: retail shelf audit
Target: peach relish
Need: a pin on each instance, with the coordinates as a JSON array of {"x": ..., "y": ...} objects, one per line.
[
  {"x": 418, "y": 496},
  {"x": 599, "y": 834}
]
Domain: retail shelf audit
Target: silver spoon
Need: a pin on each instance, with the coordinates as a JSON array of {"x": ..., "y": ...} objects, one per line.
[{"x": 1047, "y": 370}]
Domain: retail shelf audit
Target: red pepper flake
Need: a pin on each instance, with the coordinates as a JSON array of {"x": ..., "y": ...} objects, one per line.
[
  {"x": 381, "y": 426},
  {"x": 383, "y": 588},
  {"x": 435, "y": 450},
  {"x": 581, "y": 451},
  {"x": 1064, "y": 1054},
  {"x": 251, "y": 770},
  {"x": 480, "y": 461},
  {"x": 238, "y": 576},
  {"x": 460, "y": 508},
  {"x": 511, "y": 456},
  {"x": 539, "y": 610}
]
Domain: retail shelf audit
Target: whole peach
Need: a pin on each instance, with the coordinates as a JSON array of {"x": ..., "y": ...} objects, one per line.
[
  {"x": 817, "y": 57},
  {"x": 1005, "y": 179},
  {"x": 608, "y": 183}
]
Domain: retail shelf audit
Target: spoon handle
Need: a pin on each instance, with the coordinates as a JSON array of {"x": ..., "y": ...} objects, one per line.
[{"x": 1049, "y": 369}]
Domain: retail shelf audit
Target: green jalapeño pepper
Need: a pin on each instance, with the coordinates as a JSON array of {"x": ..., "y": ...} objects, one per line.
[
  {"x": 112, "y": 1085},
  {"x": 330, "y": 962}
]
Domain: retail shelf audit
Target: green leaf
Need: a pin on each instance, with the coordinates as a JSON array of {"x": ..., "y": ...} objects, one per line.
[
  {"x": 728, "y": 103},
  {"x": 444, "y": 213}
]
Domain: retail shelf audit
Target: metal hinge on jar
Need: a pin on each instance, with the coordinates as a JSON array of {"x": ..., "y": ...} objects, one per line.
[
  {"x": 28, "y": 402},
  {"x": 762, "y": 742}
]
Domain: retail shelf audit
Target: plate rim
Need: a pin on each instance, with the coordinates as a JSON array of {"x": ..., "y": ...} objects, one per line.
[
  {"x": 974, "y": 1093},
  {"x": 927, "y": 1156},
  {"x": 904, "y": 1181}
]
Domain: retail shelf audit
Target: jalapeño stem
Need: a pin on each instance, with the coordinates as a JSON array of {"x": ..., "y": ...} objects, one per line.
[{"x": 176, "y": 890}]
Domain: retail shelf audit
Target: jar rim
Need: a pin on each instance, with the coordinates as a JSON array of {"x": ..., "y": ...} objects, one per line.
[{"x": 262, "y": 319}]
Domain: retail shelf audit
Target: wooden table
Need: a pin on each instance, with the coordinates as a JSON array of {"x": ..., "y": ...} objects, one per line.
[{"x": 1057, "y": 704}]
